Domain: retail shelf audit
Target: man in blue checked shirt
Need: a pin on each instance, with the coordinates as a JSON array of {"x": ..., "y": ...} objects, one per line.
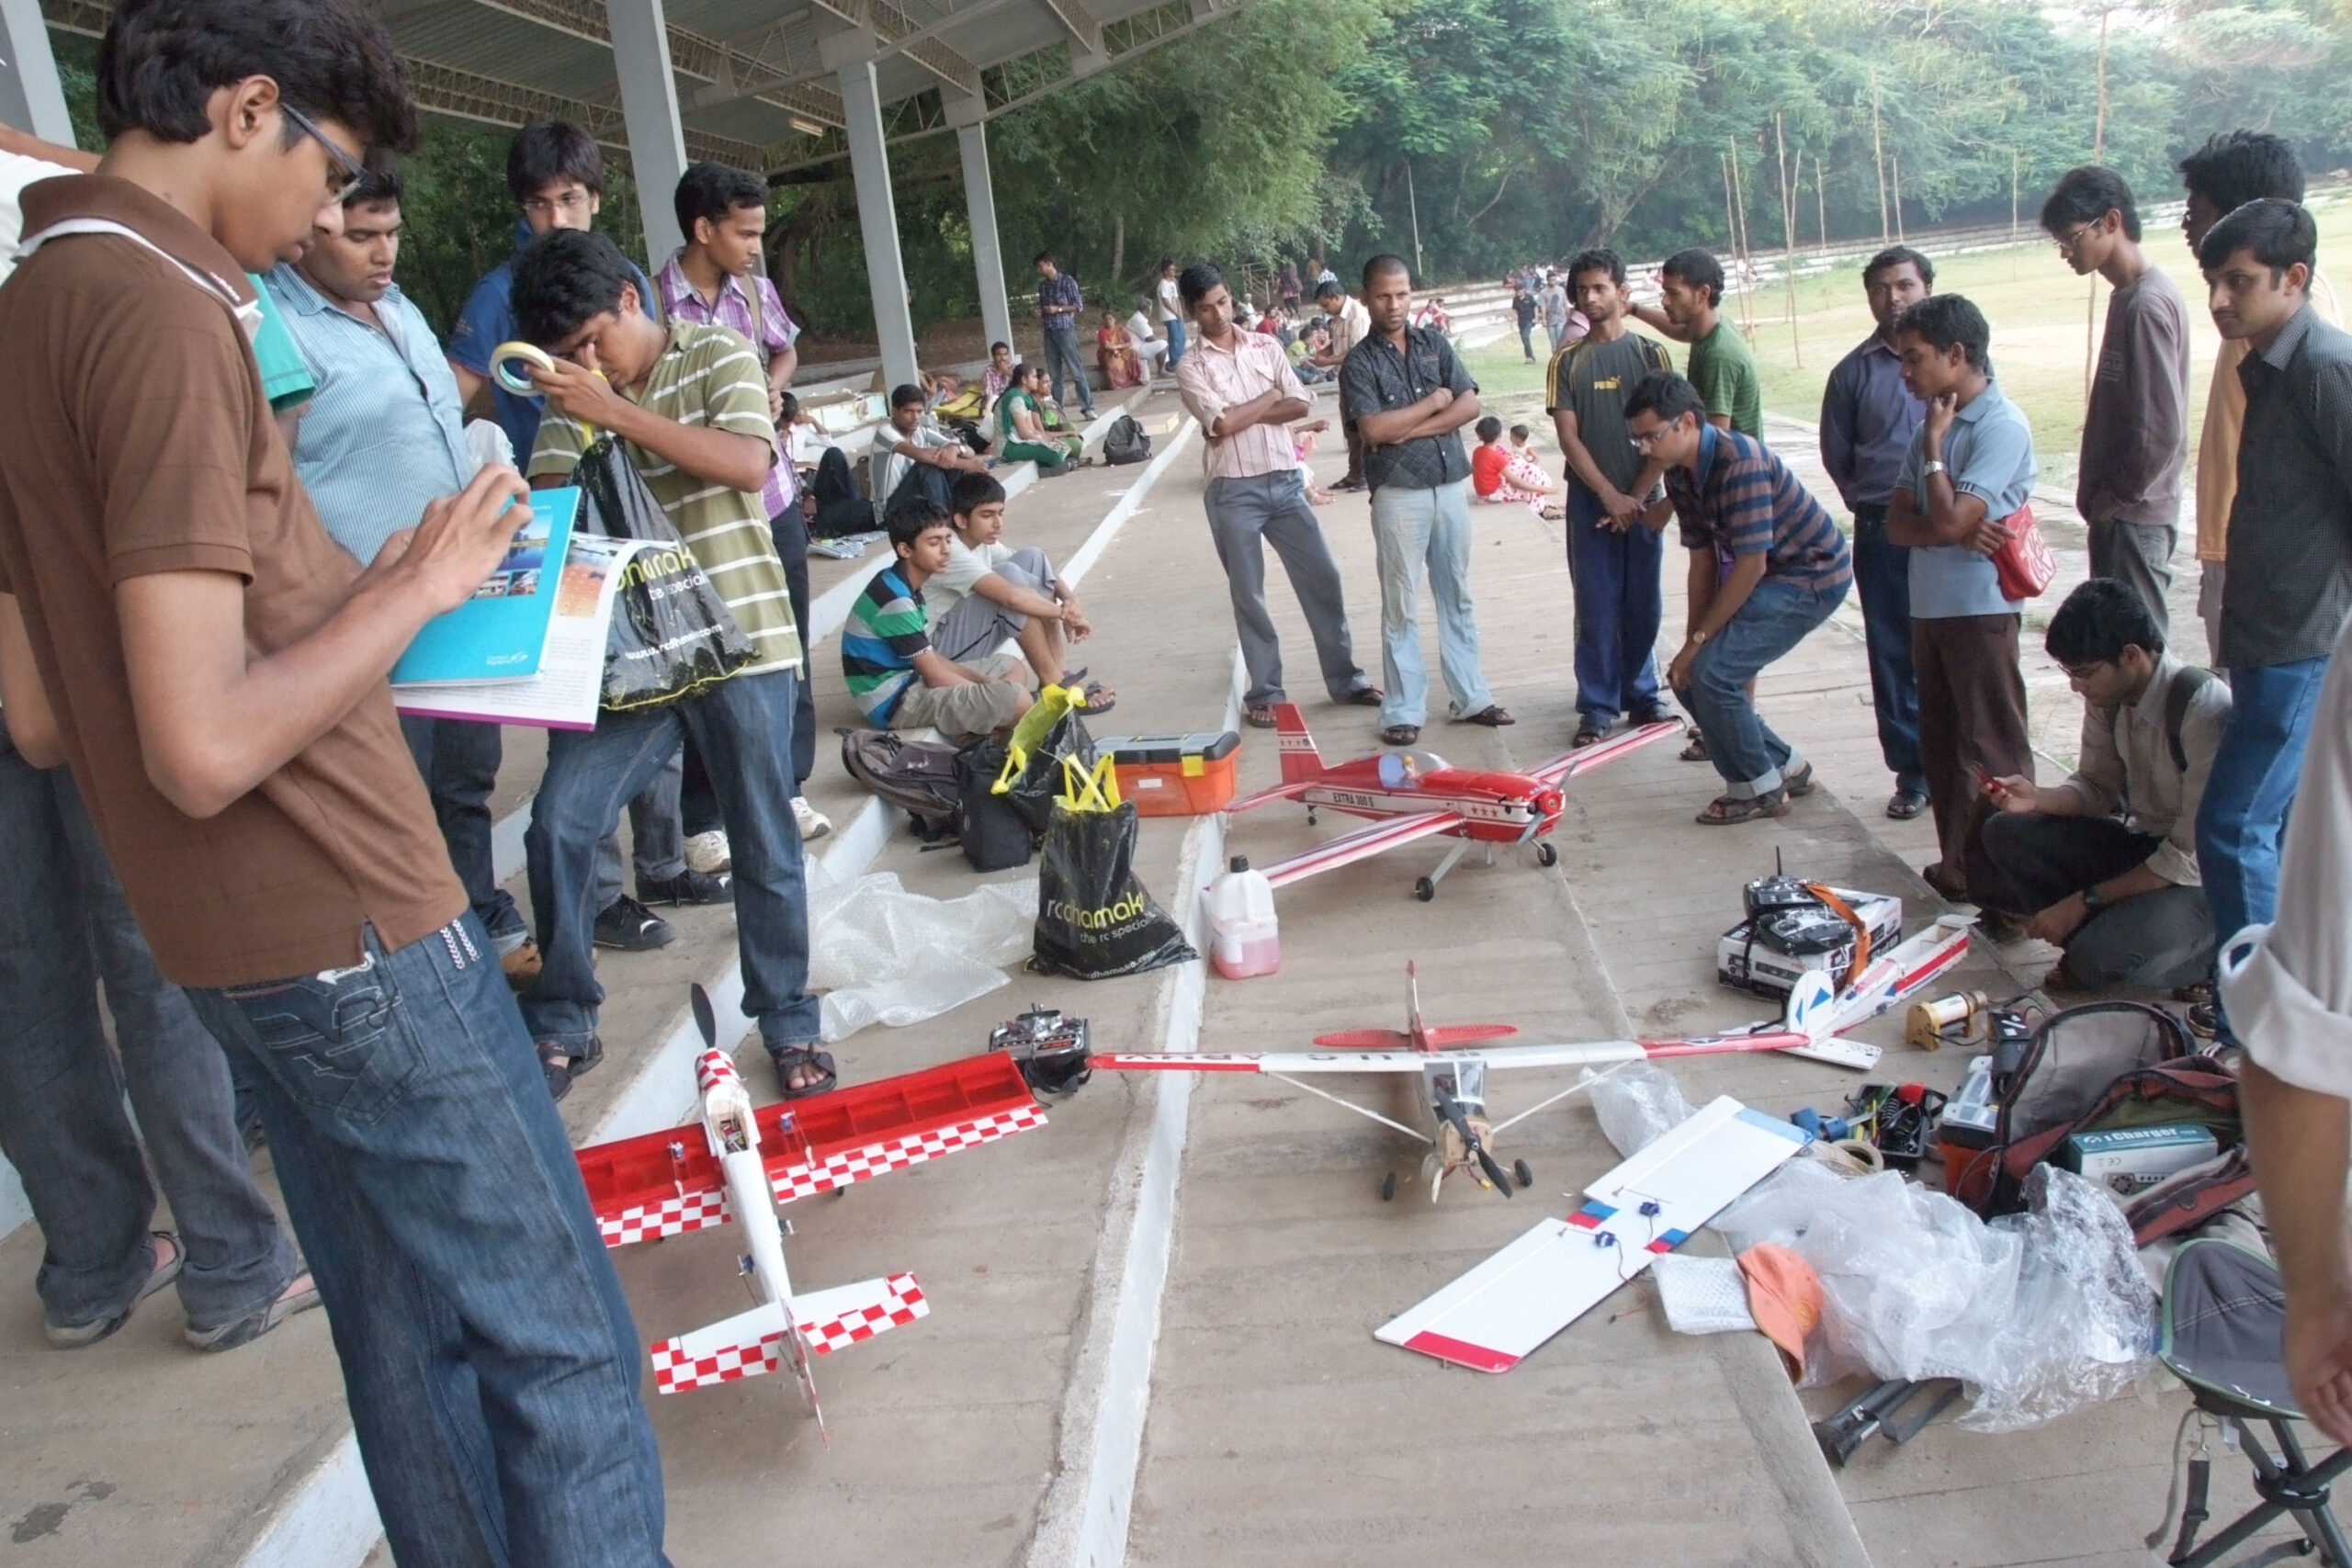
[
  {"x": 1058, "y": 303},
  {"x": 1787, "y": 568}
]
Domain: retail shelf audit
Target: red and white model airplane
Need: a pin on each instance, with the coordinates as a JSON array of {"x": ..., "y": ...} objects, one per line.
[
  {"x": 1453, "y": 1080},
  {"x": 747, "y": 1162},
  {"x": 1414, "y": 794}
]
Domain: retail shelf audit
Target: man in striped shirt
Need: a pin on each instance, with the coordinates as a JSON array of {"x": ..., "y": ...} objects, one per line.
[
  {"x": 689, "y": 405},
  {"x": 1766, "y": 566},
  {"x": 895, "y": 675}
]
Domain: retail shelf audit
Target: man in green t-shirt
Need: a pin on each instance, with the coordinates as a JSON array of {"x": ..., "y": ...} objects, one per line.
[{"x": 1691, "y": 285}]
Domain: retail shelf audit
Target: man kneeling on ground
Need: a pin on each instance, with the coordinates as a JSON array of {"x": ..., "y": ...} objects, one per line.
[
  {"x": 2105, "y": 864},
  {"x": 1766, "y": 566},
  {"x": 899, "y": 679},
  {"x": 991, "y": 591}
]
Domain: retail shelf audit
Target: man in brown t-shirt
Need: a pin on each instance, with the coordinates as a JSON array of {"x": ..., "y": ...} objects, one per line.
[{"x": 175, "y": 626}]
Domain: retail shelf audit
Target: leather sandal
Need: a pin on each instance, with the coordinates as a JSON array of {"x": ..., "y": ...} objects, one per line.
[
  {"x": 1400, "y": 734},
  {"x": 1726, "y": 811}
]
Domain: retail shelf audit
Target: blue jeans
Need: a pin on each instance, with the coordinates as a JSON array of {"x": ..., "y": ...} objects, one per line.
[
  {"x": 63, "y": 925},
  {"x": 1882, "y": 577},
  {"x": 1420, "y": 530},
  {"x": 2244, "y": 813},
  {"x": 743, "y": 730},
  {"x": 489, "y": 1359},
  {"x": 1175, "y": 342},
  {"x": 1061, "y": 353},
  {"x": 1778, "y": 616},
  {"x": 1619, "y": 607},
  {"x": 459, "y": 761}
]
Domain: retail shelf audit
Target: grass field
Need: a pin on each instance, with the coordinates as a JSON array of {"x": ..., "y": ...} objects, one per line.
[{"x": 2035, "y": 302}]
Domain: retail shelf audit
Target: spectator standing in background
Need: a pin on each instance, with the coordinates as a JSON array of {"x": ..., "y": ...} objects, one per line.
[
  {"x": 1524, "y": 310},
  {"x": 1059, "y": 301},
  {"x": 2136, "y": 434},
  {"x": 1868, "y": 419},
  {"x": 1349, "y": 324},
  {"x": 1557, "y": 308},
  {"x": 1171, "y": 312}
]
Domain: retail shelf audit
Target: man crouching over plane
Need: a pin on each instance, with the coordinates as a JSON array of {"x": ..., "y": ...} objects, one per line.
[{"x": 1766, "y": 566}]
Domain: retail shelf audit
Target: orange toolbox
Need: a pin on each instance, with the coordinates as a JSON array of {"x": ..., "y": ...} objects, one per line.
[{"x": 1175, "y": 776}]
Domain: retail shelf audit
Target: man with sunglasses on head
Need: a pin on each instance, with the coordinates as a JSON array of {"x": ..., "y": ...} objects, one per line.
[{"x": 177, "y": 627}]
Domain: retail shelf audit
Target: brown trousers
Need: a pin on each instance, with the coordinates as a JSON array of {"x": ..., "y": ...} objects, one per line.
[{"x": 1971, "y": 713}]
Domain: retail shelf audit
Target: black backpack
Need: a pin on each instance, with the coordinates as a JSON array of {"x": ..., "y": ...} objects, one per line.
[
  {"x": 917, "y": 777},
  {"x": 1126, "y": 442},
  {"x": 994, "y": 836}
]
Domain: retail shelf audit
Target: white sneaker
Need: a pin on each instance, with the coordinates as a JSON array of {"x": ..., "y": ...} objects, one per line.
[
  {"x": 707, "y": 852},
  {"x": 814, "y": 824}
]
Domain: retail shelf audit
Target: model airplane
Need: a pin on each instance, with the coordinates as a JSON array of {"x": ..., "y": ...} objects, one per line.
[
  {"x": 749, "y": 1161},
  {"x": 1412, "y": 794},
  {"x": 1453, "y": 1082}
]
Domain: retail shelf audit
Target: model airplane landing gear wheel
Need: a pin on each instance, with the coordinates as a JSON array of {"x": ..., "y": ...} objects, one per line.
[
  {"x": 1525, "y": 1177},
  {"x": 1547, "y": 854},
  {"x": 1388, "y": 1187},
  {"x": 1425, "y": 889}
]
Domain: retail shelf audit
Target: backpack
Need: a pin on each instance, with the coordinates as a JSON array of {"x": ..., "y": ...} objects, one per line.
[
  {"x": 2192, "y": 680},
  {"x": 1126, "y": 442},
  {"x": 995, "y": 837},
  {"x": 917, "y": 777}
]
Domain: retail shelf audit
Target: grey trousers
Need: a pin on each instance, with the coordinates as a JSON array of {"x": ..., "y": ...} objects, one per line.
[
  {"x": 1247, "y": 514},
  {"x": 64, "y": 925},
  {"x": 975, "y": 625},
  {"x": 2157, "y": 940},
  {"x": 2139, "y": 555}
]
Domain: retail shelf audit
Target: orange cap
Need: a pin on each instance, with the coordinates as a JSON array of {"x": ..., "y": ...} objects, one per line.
[{"x": 1784, "y": 1294}]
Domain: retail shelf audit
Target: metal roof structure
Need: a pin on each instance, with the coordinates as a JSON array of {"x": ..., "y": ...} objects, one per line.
[{"x": 753, "y": 87}]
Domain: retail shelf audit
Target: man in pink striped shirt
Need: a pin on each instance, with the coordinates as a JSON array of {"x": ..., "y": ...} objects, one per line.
[{"x": 1241, "y": 388}]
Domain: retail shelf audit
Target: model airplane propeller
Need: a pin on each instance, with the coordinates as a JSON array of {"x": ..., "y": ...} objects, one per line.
[
  {"x": 750, "y": 1161},
  {"x": 1453, "y": 1080},
  {"x": 1413, "y": 795}
]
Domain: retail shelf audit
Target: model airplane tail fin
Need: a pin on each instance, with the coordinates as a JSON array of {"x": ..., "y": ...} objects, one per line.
[
  {"x": 751, "y": 1342},
  {"x": 1302, "y": 763}
]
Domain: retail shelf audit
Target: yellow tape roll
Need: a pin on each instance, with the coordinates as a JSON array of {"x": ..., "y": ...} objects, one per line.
[{"x": 529, "y": 353}]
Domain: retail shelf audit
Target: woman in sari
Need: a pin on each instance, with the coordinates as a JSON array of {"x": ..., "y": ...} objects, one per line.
[
  {"x": 1023, "y": 425},
  {"x": 1115, "y": 355}
]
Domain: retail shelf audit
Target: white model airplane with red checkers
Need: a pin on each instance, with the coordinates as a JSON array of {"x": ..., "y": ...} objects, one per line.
[{"x": 747, "y": 1162}]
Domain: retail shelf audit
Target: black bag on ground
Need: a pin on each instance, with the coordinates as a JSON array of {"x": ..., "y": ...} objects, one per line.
[
  {"x": 1033, "y": 792},
  {"x": 917, "y": 777},
  {"x": 1125, "y": 443},
  {"x": 841, "y": 510},
  {"x": 994, "y": 836},
  {"x": 1094, "y": 919},
  {"x": 672, "y": 635}
]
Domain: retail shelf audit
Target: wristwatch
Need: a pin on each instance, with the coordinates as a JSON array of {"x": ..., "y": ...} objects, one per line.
[
  {"x": 1699, "y": 638},
  {"x": 1931, "y": 467},
  {"x": 2092, "y": 902}
]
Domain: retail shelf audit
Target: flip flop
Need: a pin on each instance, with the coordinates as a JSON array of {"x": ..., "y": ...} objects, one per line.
[
  {"x": 1902, "y": 805},
  {"x": 1400, "y": 734},
  {"x": 1366, "y": 697},
  {"x": 1098, "y": 700},
  {"x": 1800, "y": 784},
  {"x": 1492, "y": 716},
  {"x": 1587, "y": 735},
  {"x": 1726, "y": 811},
  {"x": 1260, "y": 716}
]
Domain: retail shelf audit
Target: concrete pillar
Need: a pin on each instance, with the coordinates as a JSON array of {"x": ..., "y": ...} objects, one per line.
[
  {"x": 30, "y": 98},
  {"x": 850, "y": 55},
  {"x": 657, "y": 140},
  {"x": 968, "y": 115}
]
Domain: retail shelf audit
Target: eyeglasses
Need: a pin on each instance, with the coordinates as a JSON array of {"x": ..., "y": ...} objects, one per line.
[
  {"x": 1645, "y": 439},
  {"x": 574, "y": 200},
  {"x": 2066, "y": 243},
  {"x": 2081, "y": 673},
  {"x": 343, "y": 173}
]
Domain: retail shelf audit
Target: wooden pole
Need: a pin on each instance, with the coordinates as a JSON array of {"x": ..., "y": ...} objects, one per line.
[
  {"x": 1747, "y": 267},
  {"x": 1821, "y": 200},
  {"x": 1413, "y": 205},
  {"x": 1789, "y": 229},
  {"x": 2014, "y": 162},
  {"x": 1878, "y": 152},
  {"x": 1897, "y": 162}
]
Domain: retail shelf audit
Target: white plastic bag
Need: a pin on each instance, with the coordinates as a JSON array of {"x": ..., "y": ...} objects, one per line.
[
  {"x": 1637, "y": 1103},
  {"x": 881, "y": 954},
  {"x": 1702, "y": 1295}
]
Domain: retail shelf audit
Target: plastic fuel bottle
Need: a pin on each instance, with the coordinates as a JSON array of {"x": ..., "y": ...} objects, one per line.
[{"x": 1243, "y": 936}]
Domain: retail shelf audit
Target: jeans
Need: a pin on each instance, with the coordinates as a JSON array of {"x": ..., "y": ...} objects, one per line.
[
  {"x": 1061, "y": 353},
  {"x": 459, "y": 761},
  {"x": 697, "y": 802},
  {"x": 1619, "y": 607},
  {"x": 1175, "y": 342},
  {"x": 2027, "y": 861},
  {"x": 2244, "y": 813},
  {"x": 1527, "y": 340},
  {"x": 1777, "y": 615},
  {"x": 656, "y": 833},
  {"x": 1417, "y": 530},
  {"x": 742, "y": 728},
  {"x": 2139, "y": 555},
  {"x": 63, "y": 925},
  {"x": 1245, "y": 515},
  {"x": 489, "y": 1359},
  {"x": 1882, "y": 579}
]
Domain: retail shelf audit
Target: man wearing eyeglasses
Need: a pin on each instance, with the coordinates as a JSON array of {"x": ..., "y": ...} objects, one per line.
[{"x": 2135, "y": 436}]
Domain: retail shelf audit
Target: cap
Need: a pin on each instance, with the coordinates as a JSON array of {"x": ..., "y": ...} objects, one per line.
[
  {"x": 1784, "y": 1294},
  {"x": 1239, "y": 862}
]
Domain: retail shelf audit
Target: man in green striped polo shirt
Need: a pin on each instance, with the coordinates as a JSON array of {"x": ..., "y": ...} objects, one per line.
[{"x": 689, "y": 405}]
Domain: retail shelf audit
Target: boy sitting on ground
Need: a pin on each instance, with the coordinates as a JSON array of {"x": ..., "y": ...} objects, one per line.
[
  {"x": 1500, "y": 475},
  {"x": 990, "y": 590},
  {"x": 898, "y": 678}
]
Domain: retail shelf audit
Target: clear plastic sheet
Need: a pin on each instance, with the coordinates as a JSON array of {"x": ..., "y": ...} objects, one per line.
[
  {"x": 881, "y": 954},
  {"x": 1702, "y": 1295},
  {"x": 1637, "y": 1105},
  {"x": 2037, "y": 1314}
]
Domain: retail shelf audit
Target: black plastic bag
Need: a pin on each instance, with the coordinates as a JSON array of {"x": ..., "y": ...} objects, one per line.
[
  {"x": 672, "y": 633},
  {"x": 1094, "y": 919},
  {"x": 1048, "y": 734},
  {"x": 994, "y": 836}
]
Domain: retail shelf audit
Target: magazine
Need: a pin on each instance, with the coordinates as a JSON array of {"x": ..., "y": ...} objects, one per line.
[
  {"x": 501, "y": 633},
  {"x": 565, "y": 692}
]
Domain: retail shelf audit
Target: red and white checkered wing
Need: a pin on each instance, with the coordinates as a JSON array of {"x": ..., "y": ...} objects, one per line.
[
  {"x": 751, "y": 1342},
  {"x": 847, "y": 1313},
  {"x": 793, "y": 1178}
]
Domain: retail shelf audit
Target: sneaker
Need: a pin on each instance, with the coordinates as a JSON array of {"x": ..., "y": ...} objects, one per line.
[
  {"x": 708, "y": 854},
  {"x": 301, "y": 1294},
  {"x": 814, "y": 824},
  {"x": 630, "y": 926},
  {"x": 689, "y": 887},
  {"x": 167, "y": 1268}
]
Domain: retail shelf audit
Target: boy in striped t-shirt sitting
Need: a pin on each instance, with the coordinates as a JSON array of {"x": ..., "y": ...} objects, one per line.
[
  {"x": 899, "y": 679},
  {"x": 1766, "y": 566},
  {"x": 689, "y": 405}
]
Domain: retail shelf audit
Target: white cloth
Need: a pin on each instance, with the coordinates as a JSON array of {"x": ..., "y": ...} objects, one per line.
[
  {"x": 1139, "y": 329},
  {"x": 2288, "y": 985}
]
